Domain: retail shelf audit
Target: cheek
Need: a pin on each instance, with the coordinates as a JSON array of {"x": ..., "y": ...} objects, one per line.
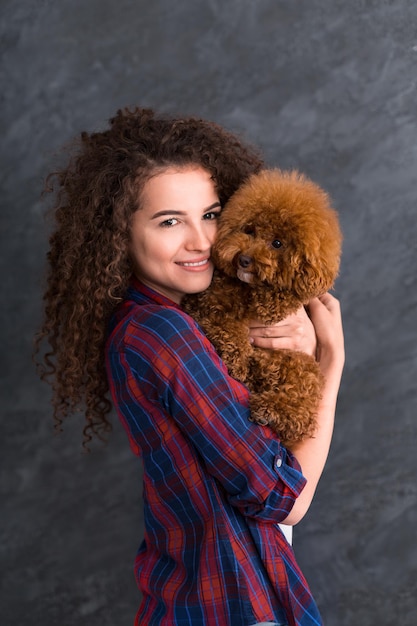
[
  {"x": 141, "y": 250},
  {"x": 211, "y": 231}
]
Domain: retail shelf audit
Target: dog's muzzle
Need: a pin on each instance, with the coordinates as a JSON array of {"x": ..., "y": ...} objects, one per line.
[{"x": 244, "y": 262}]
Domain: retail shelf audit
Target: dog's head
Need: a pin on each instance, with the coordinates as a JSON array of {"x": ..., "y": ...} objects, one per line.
[{"x": 280, "y": 231}]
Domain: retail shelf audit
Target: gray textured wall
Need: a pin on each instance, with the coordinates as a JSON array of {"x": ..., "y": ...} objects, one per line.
[{"x": 328, "y": 86}]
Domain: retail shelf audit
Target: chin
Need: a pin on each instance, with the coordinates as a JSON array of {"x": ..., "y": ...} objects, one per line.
[{"x": 201, "y": 286}]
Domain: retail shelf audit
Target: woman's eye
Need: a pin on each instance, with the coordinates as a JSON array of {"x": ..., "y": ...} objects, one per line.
[
  {"x": 169, "y": 222},
  {"x": 211, "y": 215}
]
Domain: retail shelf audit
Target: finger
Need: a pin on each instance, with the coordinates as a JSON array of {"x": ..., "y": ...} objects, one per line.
[
  {"x": 292, "y": 323},
  {"x": 318, "y": 306},
  {"x": 256, "y": 324},
  {"x": 277, "y": 343},
  {"x": 331, "y": 303},
  {"x": 328, "y": 300},
  {"x": 270, "y": 332}
]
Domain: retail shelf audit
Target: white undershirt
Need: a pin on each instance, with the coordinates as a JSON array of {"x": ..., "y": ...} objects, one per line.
[{"x": 287, "y": 530}]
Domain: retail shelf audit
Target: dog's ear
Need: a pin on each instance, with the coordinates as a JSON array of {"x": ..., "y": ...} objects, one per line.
[
  {"x": 315, "y": 272},
  {"x": 317, "y": 244}
]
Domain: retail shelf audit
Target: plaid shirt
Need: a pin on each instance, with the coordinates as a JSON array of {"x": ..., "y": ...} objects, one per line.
[{"x": 215, "y": 484}]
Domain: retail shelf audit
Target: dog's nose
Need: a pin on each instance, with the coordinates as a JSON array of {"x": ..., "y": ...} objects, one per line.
[{"x": 245, "y": 260}]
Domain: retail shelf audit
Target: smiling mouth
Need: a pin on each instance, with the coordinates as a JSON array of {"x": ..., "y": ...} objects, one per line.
[{"x": 193, "y": 263}]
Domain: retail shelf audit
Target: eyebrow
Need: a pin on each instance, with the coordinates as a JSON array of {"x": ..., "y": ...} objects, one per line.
[{"x": 174, "y": 212}]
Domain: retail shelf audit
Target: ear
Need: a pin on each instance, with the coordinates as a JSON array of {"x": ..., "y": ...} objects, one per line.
[
  {"x": 311, "y": 283},
  {"x": 315, "y": 274}
]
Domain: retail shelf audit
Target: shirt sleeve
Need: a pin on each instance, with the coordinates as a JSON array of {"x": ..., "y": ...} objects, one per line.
[{"x": 169, "y": 362}]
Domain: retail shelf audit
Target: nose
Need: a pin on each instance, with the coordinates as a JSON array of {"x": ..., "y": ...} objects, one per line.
[
  {"x": 200, "y": 237},
  {"x": 244, "y": 260}
]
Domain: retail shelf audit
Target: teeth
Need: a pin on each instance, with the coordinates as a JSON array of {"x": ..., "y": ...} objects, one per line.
[{"x": 196, "y": 264}]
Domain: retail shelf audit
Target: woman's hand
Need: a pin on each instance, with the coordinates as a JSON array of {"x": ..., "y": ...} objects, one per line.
[
  {"x": 327, "y": 320},
  {"x": 295, "y": 332}
]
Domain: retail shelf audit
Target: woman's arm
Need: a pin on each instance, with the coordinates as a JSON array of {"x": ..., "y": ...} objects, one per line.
[
  {"x": 312, "y": 453},
  {"x": 172, "y": 391},
  {"x": 322, "y": 336}
]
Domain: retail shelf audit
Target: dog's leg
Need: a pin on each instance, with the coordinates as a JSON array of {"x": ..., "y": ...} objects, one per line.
[{"x": 288, "y": 388}]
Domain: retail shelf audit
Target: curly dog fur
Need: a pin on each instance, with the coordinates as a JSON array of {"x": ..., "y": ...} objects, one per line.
[{"x": 278, "y": 245}]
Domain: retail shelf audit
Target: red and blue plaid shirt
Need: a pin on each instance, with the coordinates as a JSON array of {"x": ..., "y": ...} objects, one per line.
[{"x": 215, "y": 484}]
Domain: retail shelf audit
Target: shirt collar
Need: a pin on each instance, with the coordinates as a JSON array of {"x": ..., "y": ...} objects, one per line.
[{"x": 142, "y": 294}]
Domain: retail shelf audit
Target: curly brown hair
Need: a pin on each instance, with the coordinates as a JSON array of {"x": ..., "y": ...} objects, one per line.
[{"x": 88, "y": 262}]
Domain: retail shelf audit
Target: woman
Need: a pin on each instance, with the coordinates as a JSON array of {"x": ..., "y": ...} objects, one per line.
[{"x": 135, "y": 220}]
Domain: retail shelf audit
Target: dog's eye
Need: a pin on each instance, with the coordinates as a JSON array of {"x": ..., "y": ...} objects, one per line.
[
  {"x": 276, "y": 243},
  {"x": 248, "y": 229}
]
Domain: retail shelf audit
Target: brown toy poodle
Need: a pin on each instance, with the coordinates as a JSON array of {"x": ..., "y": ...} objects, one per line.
[{"x": 278, "y": 245}]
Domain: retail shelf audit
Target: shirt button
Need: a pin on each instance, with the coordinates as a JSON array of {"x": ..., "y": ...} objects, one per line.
[{"x": 278, "y": 462}]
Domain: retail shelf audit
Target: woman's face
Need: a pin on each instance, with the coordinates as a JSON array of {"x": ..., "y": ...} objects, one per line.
[{"x": 172, "y": 233}]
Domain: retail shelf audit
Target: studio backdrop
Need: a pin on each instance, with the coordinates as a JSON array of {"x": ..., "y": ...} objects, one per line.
[{"x": 324, "y": 86}]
